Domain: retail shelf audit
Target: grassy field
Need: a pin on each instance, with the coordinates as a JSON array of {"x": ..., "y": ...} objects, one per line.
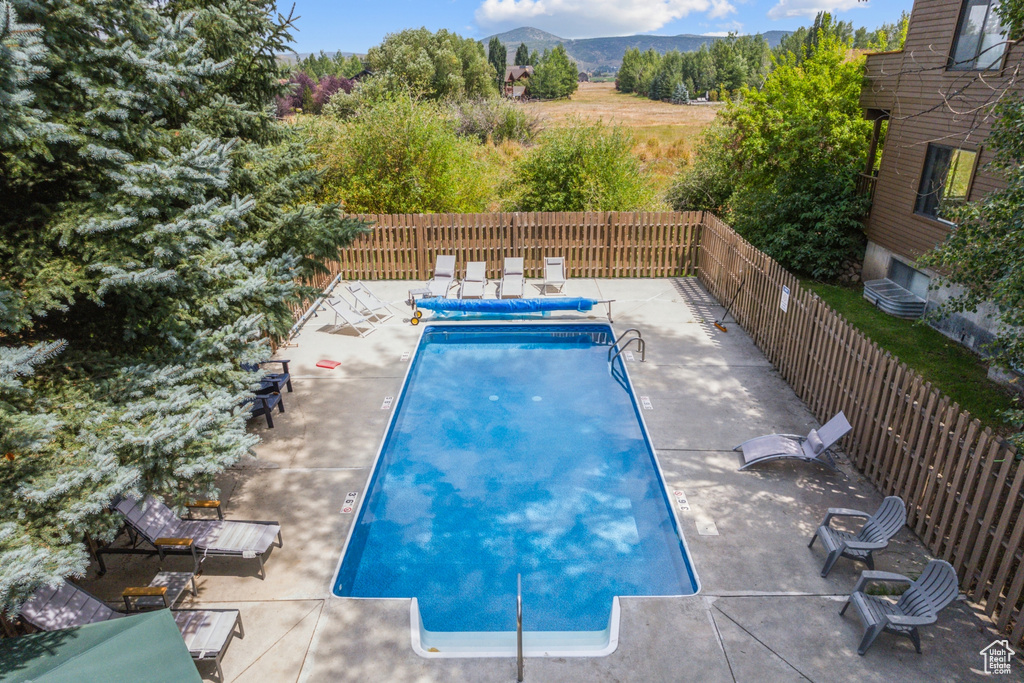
[
  {"x": 948, "y": 366},
  {"x": 665, "y": 133}
]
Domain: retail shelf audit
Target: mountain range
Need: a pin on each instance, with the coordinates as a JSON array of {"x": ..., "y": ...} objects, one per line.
[
  {"x": 594, "y": 53},
  {"x": 589, "y": 53}
]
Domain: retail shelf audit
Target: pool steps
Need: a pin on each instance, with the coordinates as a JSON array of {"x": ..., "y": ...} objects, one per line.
[{"x": 462, "y": 644}]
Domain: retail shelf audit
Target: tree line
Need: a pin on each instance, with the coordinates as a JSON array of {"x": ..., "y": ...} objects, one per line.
[
  {"x": 728, "y": 65},
  {"x": 428, "y": 65}
]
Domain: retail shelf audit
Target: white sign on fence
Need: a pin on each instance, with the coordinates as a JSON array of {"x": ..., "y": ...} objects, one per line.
[{"x": 784, "y": 301}]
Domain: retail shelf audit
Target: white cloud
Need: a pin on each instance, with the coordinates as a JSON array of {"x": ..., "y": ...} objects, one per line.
[
  {"x": 787, "y": 9},
  {"x": 716, "y": 34},
  {"x": 592, "y": 18}
]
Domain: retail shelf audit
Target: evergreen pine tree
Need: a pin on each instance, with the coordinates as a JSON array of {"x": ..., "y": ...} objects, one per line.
[
  {"x": 154, "y": 232},
  {"x": 497, "y": 55},
  {"x": 522, "y": 55},
  {"x": 681, "y": 95}
]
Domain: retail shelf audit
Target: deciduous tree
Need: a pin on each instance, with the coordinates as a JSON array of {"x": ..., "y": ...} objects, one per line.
[
  {"x": 433, "y": 66},
  {"x": 555, "y": 76}
]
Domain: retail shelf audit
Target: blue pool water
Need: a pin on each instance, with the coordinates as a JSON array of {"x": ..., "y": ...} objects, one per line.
[{"x": 513, "y": 449}]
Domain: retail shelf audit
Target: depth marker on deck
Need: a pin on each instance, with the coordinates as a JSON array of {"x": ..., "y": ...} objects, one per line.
[
  {"x": 645, "y": 401},
  {"x": 681, "y": 499},
  {"x": 387, "y": 402},
  {"x": 350, "y": 502},
  {"x": 629, "y": 355},
  {"x": 405, "y": 355}
]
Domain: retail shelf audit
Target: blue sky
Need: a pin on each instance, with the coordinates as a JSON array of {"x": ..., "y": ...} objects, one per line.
[{"x": 356, "y": 26}]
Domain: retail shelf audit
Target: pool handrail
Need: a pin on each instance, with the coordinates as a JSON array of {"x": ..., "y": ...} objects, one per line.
[
  {"x": 614, "y": 350},
  {"x": 519, "y": 627}
]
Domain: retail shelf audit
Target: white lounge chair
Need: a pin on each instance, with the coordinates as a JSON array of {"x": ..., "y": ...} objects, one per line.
[
  {"x": 554, "y": 274},
  {"x": 369, "y": 303},
  {"x": 349, "y": 316},
  {"x": 511, "y": 286},
  {"x": 475, "y": 282},
  {"x": 206, "y": 632},
  {"x": 444, "y": 276},
  {"x": 812, "y": 448},
  {"x": 159, "y": 527}
]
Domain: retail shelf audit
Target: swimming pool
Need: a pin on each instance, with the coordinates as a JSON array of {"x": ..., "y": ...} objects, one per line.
[{"x": 514, "y": 449}]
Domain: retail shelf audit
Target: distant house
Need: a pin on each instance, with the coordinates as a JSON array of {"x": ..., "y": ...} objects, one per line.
[
  {"x": 935, "y": 95},
  {"x": 516, "y": 80},
  {"x": 584, "y": 77},
  {"x": 365, "y": 73}
]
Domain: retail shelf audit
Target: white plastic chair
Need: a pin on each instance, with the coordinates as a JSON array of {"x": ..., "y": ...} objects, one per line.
[
  {"x": 349, "y": 316},
  {"x": 369, "y": 302},
  {"x": 444, "y": 276},
  {"x": 511, "y": 286},
  {"x": 554, "y": 274},
  {"x": 475, "y": 282}
]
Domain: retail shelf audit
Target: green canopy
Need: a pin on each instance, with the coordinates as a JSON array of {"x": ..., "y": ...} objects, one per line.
[{"x": 143, "y": 647}]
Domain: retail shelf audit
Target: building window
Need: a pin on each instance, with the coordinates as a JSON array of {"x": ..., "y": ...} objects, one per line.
[
  {"x": 980, "y": 40},
  {"x": 945, "y": 181},
  {"x": 909, "y": 278}
]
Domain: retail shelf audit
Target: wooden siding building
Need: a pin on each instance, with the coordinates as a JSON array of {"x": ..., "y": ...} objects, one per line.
[
  {"x": 517, "y": 78},
  {"x": 938, "y": 96}
]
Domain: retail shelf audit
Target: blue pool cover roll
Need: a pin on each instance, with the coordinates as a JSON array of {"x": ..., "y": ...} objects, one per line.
[{"x": 506, "y": 305}]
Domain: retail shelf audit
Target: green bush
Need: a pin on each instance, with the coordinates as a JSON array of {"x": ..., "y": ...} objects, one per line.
[
  {"x": 584, "y": 167},
  {"x": 707, "y": 184},
  {"x": 498, "y": 120},
  {"x": 399, "y": 156},
  {"x": 365, "y": 94}
]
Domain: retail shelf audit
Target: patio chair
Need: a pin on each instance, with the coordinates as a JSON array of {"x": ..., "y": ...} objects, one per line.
[
  {"x": 815, "y": 447},
  {"x": 263, "y": 404},
  {"x": 554, "y": 274},
  {"x": 349, "y": 316},
  {"x": 156, "y": 524},
  {"x": 368, "y": 302},
  {"x": 277, "y": 380},
  {"x": 475, "y": 282},
  {"x": 511, "y": 285},
  {"x": 873, "y": 535},
  {"x": 444, "y": 276},
  {"x": 206, "y": 632},
  {"x": 919, "y": 605}
]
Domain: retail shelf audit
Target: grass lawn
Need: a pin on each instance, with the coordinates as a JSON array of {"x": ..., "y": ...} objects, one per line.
[{"x": 948, "y": 366}]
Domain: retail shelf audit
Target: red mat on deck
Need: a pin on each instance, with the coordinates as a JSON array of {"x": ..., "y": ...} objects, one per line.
[{"x": 329, "y": 364}]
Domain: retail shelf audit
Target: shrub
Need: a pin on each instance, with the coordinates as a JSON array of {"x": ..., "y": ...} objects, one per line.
[
  {"x": 309, "y": 95},
  {"x": 346, "y": 104},
  {"x": 399, "y": 156},
  {"x": 584, "y": 167},
  {"x": 499, "y": 120}
]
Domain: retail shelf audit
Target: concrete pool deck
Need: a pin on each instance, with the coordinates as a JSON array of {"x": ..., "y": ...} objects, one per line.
[{"x": 764, "y": 613}]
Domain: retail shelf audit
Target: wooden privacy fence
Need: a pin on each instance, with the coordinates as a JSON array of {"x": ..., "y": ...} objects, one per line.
[
  {"x": 594, "y": 244},
  {"x": 962, "y": 484}
]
